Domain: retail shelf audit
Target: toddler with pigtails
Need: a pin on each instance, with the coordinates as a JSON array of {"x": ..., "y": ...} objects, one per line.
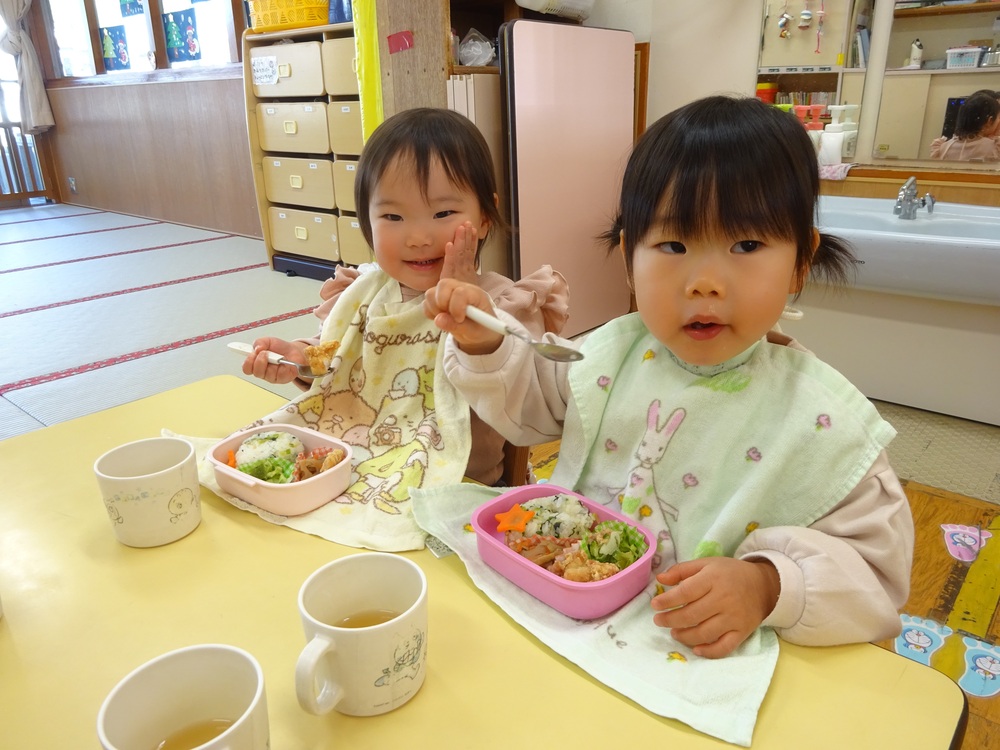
[{"x": 761, "y": 469}]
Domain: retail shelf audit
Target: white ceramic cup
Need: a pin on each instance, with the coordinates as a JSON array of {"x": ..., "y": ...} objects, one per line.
[
  {"x": 150, "y": 490},
  {"x": 186, "y": 688},
  {"x": 362, "y": 671}
]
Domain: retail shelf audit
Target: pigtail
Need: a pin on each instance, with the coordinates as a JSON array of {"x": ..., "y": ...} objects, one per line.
[{"x": 834, "y": 261}]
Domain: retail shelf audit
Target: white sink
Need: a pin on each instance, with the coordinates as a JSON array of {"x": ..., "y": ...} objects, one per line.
[{"x": 952, "y": 253}]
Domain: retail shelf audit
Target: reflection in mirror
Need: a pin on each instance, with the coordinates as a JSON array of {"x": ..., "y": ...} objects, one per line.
[{"x": 922, "y": 94}]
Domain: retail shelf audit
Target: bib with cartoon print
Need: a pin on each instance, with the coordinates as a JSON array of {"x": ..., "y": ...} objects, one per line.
[
  {"x": 703, "y": 456},
  {"x": 408, "y": 427}
]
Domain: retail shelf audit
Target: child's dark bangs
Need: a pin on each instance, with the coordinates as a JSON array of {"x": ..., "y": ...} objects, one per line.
[{"x": 731, "y": 186}]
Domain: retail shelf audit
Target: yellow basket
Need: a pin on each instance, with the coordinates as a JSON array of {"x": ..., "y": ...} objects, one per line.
[{"x": 275, "y": 15}]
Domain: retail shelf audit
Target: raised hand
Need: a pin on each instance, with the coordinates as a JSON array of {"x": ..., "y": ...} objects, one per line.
[{"x": 460, "y": 255}]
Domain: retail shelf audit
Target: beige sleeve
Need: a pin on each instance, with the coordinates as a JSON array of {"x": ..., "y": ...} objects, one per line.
[{"x": 845, "y": 578}]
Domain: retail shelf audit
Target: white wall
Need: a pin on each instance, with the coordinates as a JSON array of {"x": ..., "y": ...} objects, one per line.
[{"x": 696, "y": 48}]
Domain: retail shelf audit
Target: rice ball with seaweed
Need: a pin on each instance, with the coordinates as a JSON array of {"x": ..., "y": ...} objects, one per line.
[
  {"x": 561, "y": 516},
  {"x": 269, "y": 456}
]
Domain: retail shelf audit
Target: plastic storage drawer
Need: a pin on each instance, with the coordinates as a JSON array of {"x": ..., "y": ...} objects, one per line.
[
  {"x": 295, "y": 127},
  {"x": 282, "y": 70},
  {"x": 353, "y": 248},
  {"x": 300, "y": 182},
  {"x": 309, "y": 233},
  {"x": 346, "y": 136},
  {"x": 343, "y": 183},
  {"x": 339, "y": 73}
]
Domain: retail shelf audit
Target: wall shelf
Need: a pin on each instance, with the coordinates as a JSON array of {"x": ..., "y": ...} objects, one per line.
[{"x": 947, "y": 10}]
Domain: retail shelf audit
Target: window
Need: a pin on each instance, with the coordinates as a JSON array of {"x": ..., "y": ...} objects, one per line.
[{"x": 94, "y": 37}]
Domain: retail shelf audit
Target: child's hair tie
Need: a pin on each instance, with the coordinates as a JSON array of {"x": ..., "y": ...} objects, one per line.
[{"x": 791, "y": 313}]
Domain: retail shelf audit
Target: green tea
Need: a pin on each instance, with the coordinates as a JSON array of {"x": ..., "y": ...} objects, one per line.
[
  {"x": 194, "y": 735},
  {"x": 366, "y": 618}
]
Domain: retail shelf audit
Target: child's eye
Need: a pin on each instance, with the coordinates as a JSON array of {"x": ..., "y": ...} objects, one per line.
[
  {"x": 392, "y": 217},
  {"x": 672, "y": 248},
  {"x": 443, "y": 214},
  {"x": 747, "y": 246}
]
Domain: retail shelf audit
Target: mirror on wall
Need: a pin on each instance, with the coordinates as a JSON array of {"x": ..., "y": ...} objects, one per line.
[
  {"x": 812, "y": 53},
  {"x": 925, "y": 83},
  {"x": 818, "y": 52}
]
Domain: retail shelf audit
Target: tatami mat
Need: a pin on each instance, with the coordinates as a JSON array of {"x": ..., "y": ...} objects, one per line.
[
  {"x": 57, "y": 284},
  {"x": 92, "y": 230},
  {"x": 88, "y": 392},
  {"x": 945, "y": 452},
  {"x": 121, "y": 307}
]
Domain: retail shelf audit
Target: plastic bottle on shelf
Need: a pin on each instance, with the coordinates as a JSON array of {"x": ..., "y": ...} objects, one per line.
[{"x": 842, "y": 121}]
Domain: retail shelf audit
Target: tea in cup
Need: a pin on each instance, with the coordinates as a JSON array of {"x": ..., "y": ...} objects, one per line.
[
  {"x": 151, "y": 491},
  {"x": 209, "y": 697},
  {"x": 365, "y": 620}
]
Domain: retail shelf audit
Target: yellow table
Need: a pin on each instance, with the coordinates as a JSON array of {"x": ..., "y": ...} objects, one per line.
[{"x": 82, "y": 610}]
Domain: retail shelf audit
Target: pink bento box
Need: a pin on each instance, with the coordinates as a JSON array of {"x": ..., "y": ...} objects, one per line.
[
  {"x": 291, "y": 499},
  {"x": 582, "y": 601}
]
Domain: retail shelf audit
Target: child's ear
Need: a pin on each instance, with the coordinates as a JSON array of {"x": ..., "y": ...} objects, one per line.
[
  {"x": 628, "y": 269},
  {"x": 802, "y": 273}
]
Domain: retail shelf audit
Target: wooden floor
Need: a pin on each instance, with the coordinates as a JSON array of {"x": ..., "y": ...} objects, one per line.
[{"x": 950, "y": 594}]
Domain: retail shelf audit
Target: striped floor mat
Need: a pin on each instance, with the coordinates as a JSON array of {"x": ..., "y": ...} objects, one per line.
[{"x": 100, "y": 309}]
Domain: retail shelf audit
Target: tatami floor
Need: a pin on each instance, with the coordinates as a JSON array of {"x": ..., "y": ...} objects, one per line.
[{"x": 98, "y": 309}]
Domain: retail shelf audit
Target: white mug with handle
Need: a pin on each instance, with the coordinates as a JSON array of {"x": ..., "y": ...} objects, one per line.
[{"x": 365, "y": 621}]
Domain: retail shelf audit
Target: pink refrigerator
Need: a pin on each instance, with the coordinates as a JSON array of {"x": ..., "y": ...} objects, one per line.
[{"x": 567, "y": 97}]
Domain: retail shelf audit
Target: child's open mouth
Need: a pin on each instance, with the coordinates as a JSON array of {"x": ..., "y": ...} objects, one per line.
[
  {"x": 702, "y": 331},
  {"x": 423, "y": 265}
]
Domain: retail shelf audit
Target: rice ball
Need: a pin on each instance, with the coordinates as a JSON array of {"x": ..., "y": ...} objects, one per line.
[{"x": 266, "y": 445}]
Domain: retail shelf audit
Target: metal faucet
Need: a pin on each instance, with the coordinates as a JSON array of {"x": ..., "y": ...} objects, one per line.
[{"x": 907, "y": 201}]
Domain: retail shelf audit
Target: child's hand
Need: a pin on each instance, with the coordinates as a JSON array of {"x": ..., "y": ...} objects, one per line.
[
  {"x": 460, "y": 255},
  {"x": 256, "y": 363},
  {"x": 716, "y": 602},
  {"x": 445, "y": 304}
]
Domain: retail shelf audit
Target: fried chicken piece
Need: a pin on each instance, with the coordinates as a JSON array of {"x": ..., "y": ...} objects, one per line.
[
  {"x": 320, "y": 356},
  {"x": 575, "y": 566}
]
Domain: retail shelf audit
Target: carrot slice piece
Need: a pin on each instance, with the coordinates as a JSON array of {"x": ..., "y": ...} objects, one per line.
[
  {"x": 515, "y": 519},
  {"x": 231, "y": 459}
]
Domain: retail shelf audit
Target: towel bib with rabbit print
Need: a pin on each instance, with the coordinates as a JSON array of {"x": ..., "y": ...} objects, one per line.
[{"x": 703, "y": 456}]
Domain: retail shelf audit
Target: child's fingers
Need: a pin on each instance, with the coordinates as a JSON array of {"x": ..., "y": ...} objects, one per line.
[{"x": 460, "y": 255}]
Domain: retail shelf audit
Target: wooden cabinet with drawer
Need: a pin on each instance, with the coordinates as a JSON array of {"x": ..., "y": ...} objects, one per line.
[{"x": 304, "y": 125}]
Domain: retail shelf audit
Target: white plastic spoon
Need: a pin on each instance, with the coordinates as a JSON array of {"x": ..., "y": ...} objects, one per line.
[{"x": 554, "y": 352}]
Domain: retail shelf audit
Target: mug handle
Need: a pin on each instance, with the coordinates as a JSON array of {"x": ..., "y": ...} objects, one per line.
[{"x": 311, "y": 670}]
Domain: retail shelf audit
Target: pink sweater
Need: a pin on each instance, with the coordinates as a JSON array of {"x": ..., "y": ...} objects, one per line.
[{"x": 971, "y": 149}]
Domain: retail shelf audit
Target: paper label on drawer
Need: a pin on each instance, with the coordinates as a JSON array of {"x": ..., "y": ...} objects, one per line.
[
  {"x": 350, "y": 167},
  {"x": 264, "y": 70},
  {"x": 346, "y": 108}
]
